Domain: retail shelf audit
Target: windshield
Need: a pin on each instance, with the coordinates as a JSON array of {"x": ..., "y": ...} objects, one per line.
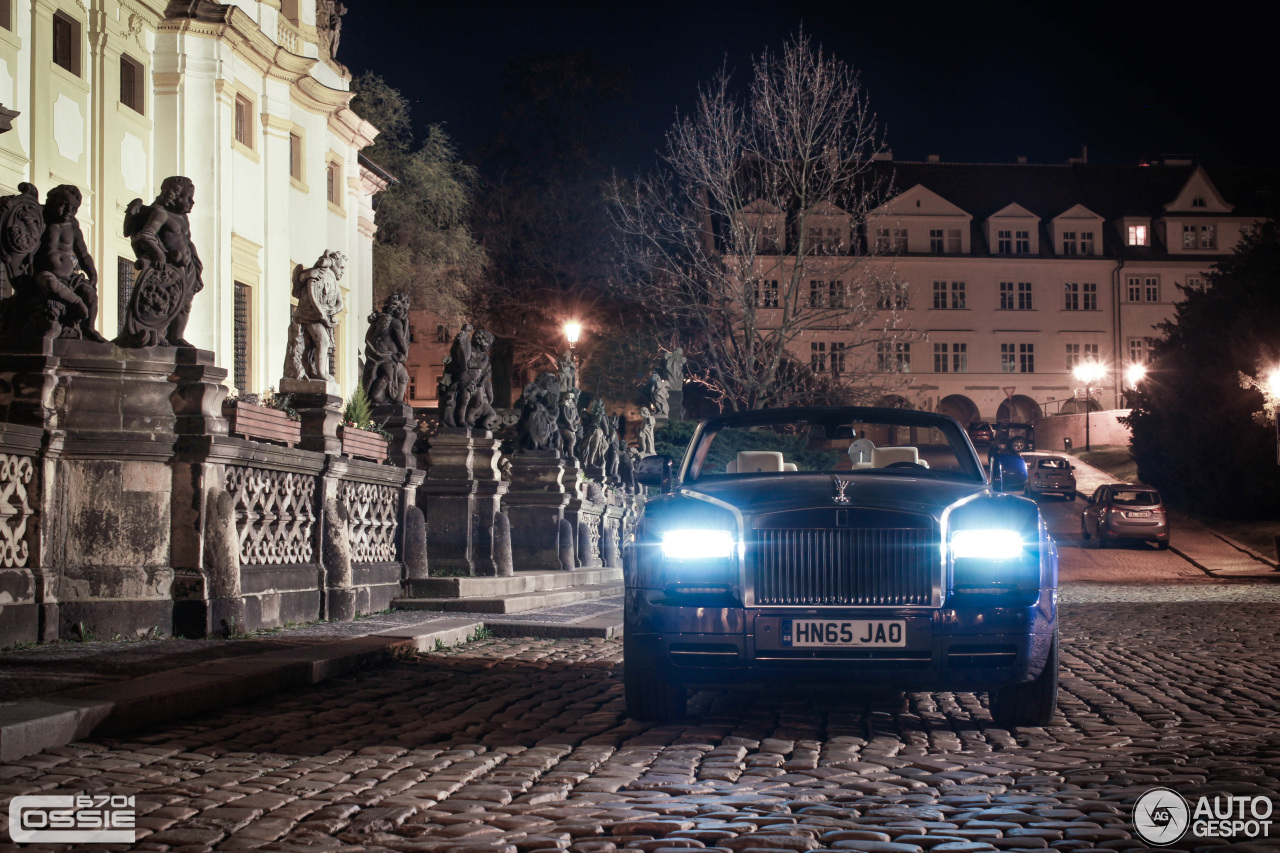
[
  {"x": 857, "y": 441},
  {"x": 1060, "y": 464}
]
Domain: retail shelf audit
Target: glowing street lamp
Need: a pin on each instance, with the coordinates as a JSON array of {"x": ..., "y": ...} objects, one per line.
[
  {"x": 1273, "y": 393},
  {"x": 572, "y": 332},
  {"x": 1135, "y": 374},
  {"x": 1088, "y": 372}
]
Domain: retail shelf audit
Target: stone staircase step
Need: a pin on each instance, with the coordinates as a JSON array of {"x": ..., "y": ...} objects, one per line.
[
  {"x": 513, "y": 602},
  {"x": 517, "y": 584}
]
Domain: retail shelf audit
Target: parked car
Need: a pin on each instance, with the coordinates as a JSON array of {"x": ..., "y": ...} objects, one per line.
[
  {"x": 772, "y": 557},
  {"x": 1050, "y": 474},
  {"x": 1121, "y": 512},
  {"x": 1013, "y": 437},
  {"x": 980, "y": 433}
]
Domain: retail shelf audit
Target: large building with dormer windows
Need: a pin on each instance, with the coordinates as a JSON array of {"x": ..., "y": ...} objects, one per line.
[
  {"x": 1010, "y": 275},
  {"x": 243, "y": 97}
]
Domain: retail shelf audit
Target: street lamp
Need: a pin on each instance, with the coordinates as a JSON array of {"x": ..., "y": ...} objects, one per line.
[
  {"x": 1273, "y": 386},
  {"x": 1088, "y": 372},
  {"x": 1135, "y": 374},
  {"x": 573, "y": 331}
]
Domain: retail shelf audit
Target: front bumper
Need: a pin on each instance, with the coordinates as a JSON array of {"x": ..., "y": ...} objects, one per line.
[{"x": 947, "y": 648}]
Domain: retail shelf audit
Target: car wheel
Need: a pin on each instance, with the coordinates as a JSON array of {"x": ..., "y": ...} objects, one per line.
[
  {"x": 1018, "y": 445},
  {"x": 648, "y": 694},
  {"x": 1032, "y": 703},
  {"x": 1163, "y": 546},
  {"x": 1084, "y": 531}
]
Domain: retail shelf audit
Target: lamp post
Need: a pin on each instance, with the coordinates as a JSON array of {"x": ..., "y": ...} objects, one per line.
[
  {"x": 1088, "y": 372},
  {"x": 573, "y": 331}
]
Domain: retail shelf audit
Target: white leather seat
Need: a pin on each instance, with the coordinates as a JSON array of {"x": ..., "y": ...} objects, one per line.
[
  {"x": 753, "y": 461},
  {"x": 883, "y": 457},
  {"x": 789, "y": 466}
]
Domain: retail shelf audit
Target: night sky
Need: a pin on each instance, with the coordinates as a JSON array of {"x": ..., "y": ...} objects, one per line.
[{"x": 971, "y": 82}]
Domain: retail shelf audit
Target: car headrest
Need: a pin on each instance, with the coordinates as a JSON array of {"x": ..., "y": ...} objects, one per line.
[
  {"x": 884, "y": 456},
  {"x": 752, "y": 461}
]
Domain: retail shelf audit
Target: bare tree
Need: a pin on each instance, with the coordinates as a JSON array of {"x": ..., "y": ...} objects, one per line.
[{"x": 749, "y": 239}]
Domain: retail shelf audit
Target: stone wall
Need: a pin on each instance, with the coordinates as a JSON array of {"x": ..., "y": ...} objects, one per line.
[{"x": 1104, "y": 428}]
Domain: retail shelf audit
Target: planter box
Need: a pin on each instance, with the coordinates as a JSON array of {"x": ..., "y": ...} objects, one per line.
[
  {"x": 260, "y": 423},
  {"x": 362, "y": 444}
]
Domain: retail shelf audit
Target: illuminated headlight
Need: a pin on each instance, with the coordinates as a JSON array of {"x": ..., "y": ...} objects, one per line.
[
  {"x": 697, "y": 544},
  {"x": 997, "y": 544}
]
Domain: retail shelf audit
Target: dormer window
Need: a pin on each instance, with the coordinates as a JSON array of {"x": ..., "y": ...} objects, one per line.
[
  {"x": 1197, "y": 202},
  {"x": 1069, "y": 244},
  {"x": 1004, "y": 242},
  {"x": 1086, "y": 243},
  {"x": 1199, "y": 237},
  {"x": 1023, "y": 242},
  {"x": 1136, "y": 235}
]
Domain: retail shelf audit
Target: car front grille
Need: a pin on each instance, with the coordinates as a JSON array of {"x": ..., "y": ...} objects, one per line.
[{"x": 833, "y": 567}]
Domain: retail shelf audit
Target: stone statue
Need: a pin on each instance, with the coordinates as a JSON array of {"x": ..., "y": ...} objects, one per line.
[
  {"x": 659, "y": 388},
  {"x": 613, "y": 451},
  {"x": 329, "y": 21},
  {"x": 629, "y": 459},
  {"x": 568, "y": 371},
  {"x": 53, "y": 277},
  {"x": 386, "y": 346},
  {"x": 673, "y": 367},
  {"x": 594, "y": 441},
  {"x": 169, "y": 268},
  {"x": 537, "y": 428},
  {"x": 570, "y": 423},
  {"x": 311, "y": 331},
  {"x": 471, "y": 380},
  {"x": 644, "y": 438}
]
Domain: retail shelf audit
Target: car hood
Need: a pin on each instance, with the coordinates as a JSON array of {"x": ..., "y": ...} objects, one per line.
[{"x": 752, "y": 495}]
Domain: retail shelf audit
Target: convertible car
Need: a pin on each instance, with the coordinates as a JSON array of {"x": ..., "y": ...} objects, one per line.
[{"x": 839, "y": 547}]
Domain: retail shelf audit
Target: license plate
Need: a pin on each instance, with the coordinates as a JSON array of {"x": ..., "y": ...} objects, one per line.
[
  {"x": 1137, "y": 515},
  {"x": 843, "y": 632}
]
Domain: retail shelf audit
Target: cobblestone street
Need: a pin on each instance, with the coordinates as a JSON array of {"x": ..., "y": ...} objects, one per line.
[{"x": 511, "y": 745}]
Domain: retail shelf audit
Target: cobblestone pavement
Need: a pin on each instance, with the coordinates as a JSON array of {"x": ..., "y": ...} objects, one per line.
[{"x": 512, "y": 746}]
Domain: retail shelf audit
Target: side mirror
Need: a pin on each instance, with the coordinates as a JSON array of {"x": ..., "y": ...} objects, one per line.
[
  {"x": 1008, "y": 472},
  {"x": 655, "y": 471}
]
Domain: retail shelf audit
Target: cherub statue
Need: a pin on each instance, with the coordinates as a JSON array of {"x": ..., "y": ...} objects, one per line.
[
  {"x": 48, "y": 265},
  {"x": 169, "y": 269},
  {"x": 568, "y": 371},
  {"x": 319, "y": 304},
  {"x": 471, "y": 380},
  {"x": 659, "y": 388},
  {"x": 644, "y": 438}
]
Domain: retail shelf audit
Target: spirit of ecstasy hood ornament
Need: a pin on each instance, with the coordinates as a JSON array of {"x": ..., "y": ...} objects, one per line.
[{"x": 841, "y": 483}]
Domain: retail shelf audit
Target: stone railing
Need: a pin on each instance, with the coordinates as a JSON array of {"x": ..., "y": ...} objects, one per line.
[
  {"x": 21, "y": 511},
  {"x": 289, "y": 37}
]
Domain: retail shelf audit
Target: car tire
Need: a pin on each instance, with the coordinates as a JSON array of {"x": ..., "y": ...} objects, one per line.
[
  {"x": 649, "y": 695},
  {"x": 1084, "y": 531},
  {"x": 1032, "y": 703},
  {"x": 1018, "y": 445},
  {"x": 1163, "y": 546}
]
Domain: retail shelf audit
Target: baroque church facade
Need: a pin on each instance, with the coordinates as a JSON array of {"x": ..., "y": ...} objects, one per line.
[{"x": 248, "y": 100}]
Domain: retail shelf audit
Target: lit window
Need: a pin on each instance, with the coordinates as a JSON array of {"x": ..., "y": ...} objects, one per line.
[
  {"x": 1077, "y": 353},
  {"x": 1008, "y": 358},
  {"x": 1137, "y": 235},
  {"x": 131, "y": 83}
]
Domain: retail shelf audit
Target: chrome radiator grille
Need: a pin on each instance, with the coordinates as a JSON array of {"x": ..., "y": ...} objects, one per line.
[{"x": 880, "y": 566}]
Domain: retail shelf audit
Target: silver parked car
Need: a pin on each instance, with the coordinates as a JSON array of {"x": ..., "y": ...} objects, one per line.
[
  {"x": 1049, "y": 474},
  {"x": 1119, "y": 511}
]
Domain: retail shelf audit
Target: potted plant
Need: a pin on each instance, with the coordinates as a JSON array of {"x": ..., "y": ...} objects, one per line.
[
  {"x": 263, "y": 418},
  {"x": 361, "y": 437}
]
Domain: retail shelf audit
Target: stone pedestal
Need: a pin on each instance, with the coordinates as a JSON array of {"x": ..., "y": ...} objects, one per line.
[
  {"x": 319, "y": 404},
  {"x": 535, "y": 505},
  {"x": 462, "y": 493},
  {"x": 398, "y": 419},
  {"x": 675, "y": 401}
]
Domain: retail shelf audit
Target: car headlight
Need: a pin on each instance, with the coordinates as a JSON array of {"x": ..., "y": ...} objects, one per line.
[
  {"x": 698, "y": 544},
  {"x": 991, "y": 544}
]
